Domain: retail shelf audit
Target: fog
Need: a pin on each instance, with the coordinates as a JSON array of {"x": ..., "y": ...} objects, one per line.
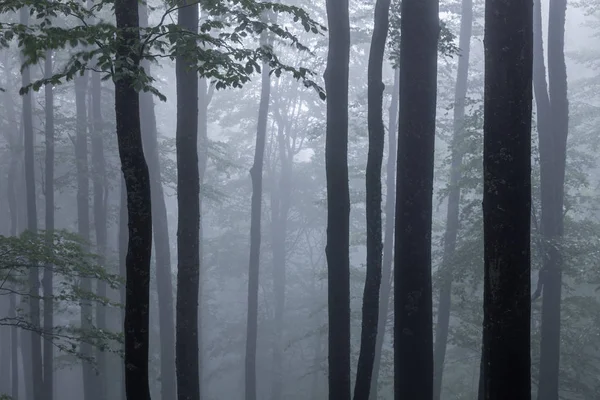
[{"x": 234, "y": 161}]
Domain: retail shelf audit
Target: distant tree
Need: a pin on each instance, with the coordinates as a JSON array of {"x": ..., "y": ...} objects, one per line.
[
  {"x": 454, "y": 193},
  {"x": 553, "y": 127},
  {"x": 413, "y": 337},
  {"x": 507, "y": 200}
]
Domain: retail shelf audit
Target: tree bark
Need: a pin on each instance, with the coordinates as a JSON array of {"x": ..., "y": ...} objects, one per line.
[
  {"x": 338, "y": 199},
  {"x": 256, "y": 174},
  {"x": 162, "y": 244},
  {"x": 413, "y": 337},
  {"x": 388, "y": 244},
  {"x": 508, "y": 45},
  {"x": 139, "y": 205},
  {"x": 553, "y": 154},
  {"x": 32, "y": 225},
  {"x": 48, "y": 270},
  {"x": 370, "y": 307},
  {"x": 123, "y": 240},
  {"x": 452, "y": 214},
  {"x": 188, "y": 228}
]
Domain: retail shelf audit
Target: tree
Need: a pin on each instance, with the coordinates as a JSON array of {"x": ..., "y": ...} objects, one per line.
[
  {"x": 413, "y": 341},
  {"x": 162, "y": 245},
  {"x": 256, "y": 174},
  {"x": 452, "y": 215},
  {"x": 338, "y": 199},
  {"x": 48, "y": 276},
  {"x": 553, "y": 127},
  {"x": 507, "y": 199},
  {"x": 139, "y": 204},
  {"x": 188, "y": 213},
  {"x": 35, "y": 348},
  {"x": 370, "y": 308}
]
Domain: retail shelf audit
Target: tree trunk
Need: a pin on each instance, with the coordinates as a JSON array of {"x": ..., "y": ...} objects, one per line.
[
  {"x": 34, "y": 279},
  {"x": 100, "y": 189},
  {"x": 507, "y": 200},
  {"x": 338, "y": 199},
  {"x": 370, "y": 307},
  {"x": 188, "y": 218},
  {"x": 280, "y": 206},
  {"x": 123, "y": 241},
  {"x": 139, "y": 206},
  {"x": 452, "y": 214},
  {"x": 388, "y": 244},
  {"x": 413, "y": 338},
  {"x": 48, "y": 270},
  {"x": 162, "y": 244},
  {"x": 256, "y": 174},
  {"x": 83, "y": 226},
  {"x": 553, "y": 153}
]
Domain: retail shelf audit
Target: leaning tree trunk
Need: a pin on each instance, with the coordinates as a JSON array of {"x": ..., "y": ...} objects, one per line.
[
  {"x": 413, "y": 338},
  {"x": 370, "y": 308},
  {"x": 32, "y": 225},
  {"x": 162, "y": 244},
  {"x": 256, "y": 174},
  {"x": 48, "y": 271},
  {"x": 508, "y": 47},
  {"x": 452, "y": 214},
  {"x": 388, "y": 242},
  {"x": 188, "y": 217},
  {"x": 139, "y": 204},
  {"x": 338, "y": 199},
  {"x": 553, "y": 154}
]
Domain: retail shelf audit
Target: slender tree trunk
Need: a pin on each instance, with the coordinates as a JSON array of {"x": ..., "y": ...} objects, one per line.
[
  {"x": 553, "y": 153},
  {"x": 100, "y": 189},
  {"x": 256, "y": 174},
  {"x": 162, "y": 244},
  {"x": 388, "y": 243},
  {"x": 338, "y": 199},
  {"x": 139, "y": 206},
  {"x": 370, "y": 308},
  {"x": 48, "y": 278},
  {"x": 188, "y": 218},
  {"x": 413, "y": 338},
  {"x": 14, "y": 350},
  {"x": 83, "y": 225},
  {"x": 280, "y": 206},
  {"x": 452, "y": 214},
  {"x": 34, "y": 279},
  {"x": 507, "y": 199}
]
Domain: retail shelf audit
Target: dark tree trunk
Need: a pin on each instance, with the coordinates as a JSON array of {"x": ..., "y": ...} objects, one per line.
[
  {"x": 553, "y": 154},
  {"x": 508, "y": 47},
  {"x": 162, "y": 245},
  {"x": 48, "y": 278},
  {"x": 100, "y": 219},
  {"x": 452, "y": 214},
  {"x": 139, "y": 206},
  {"x": 338, "y": 199},
  {"x": 388, "y": 243},
  {"x": 123, "y": 240},
  {"x": 370, "y": 308},
  {"x": 32, "y": 225},
  {"x": 83, "y": 226},
  {"x": 413, "y": 337},
  {"x": 14, "y": 350},
  {"x": 256, "y": 174},
  {"x": 188, "y": 229}
]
